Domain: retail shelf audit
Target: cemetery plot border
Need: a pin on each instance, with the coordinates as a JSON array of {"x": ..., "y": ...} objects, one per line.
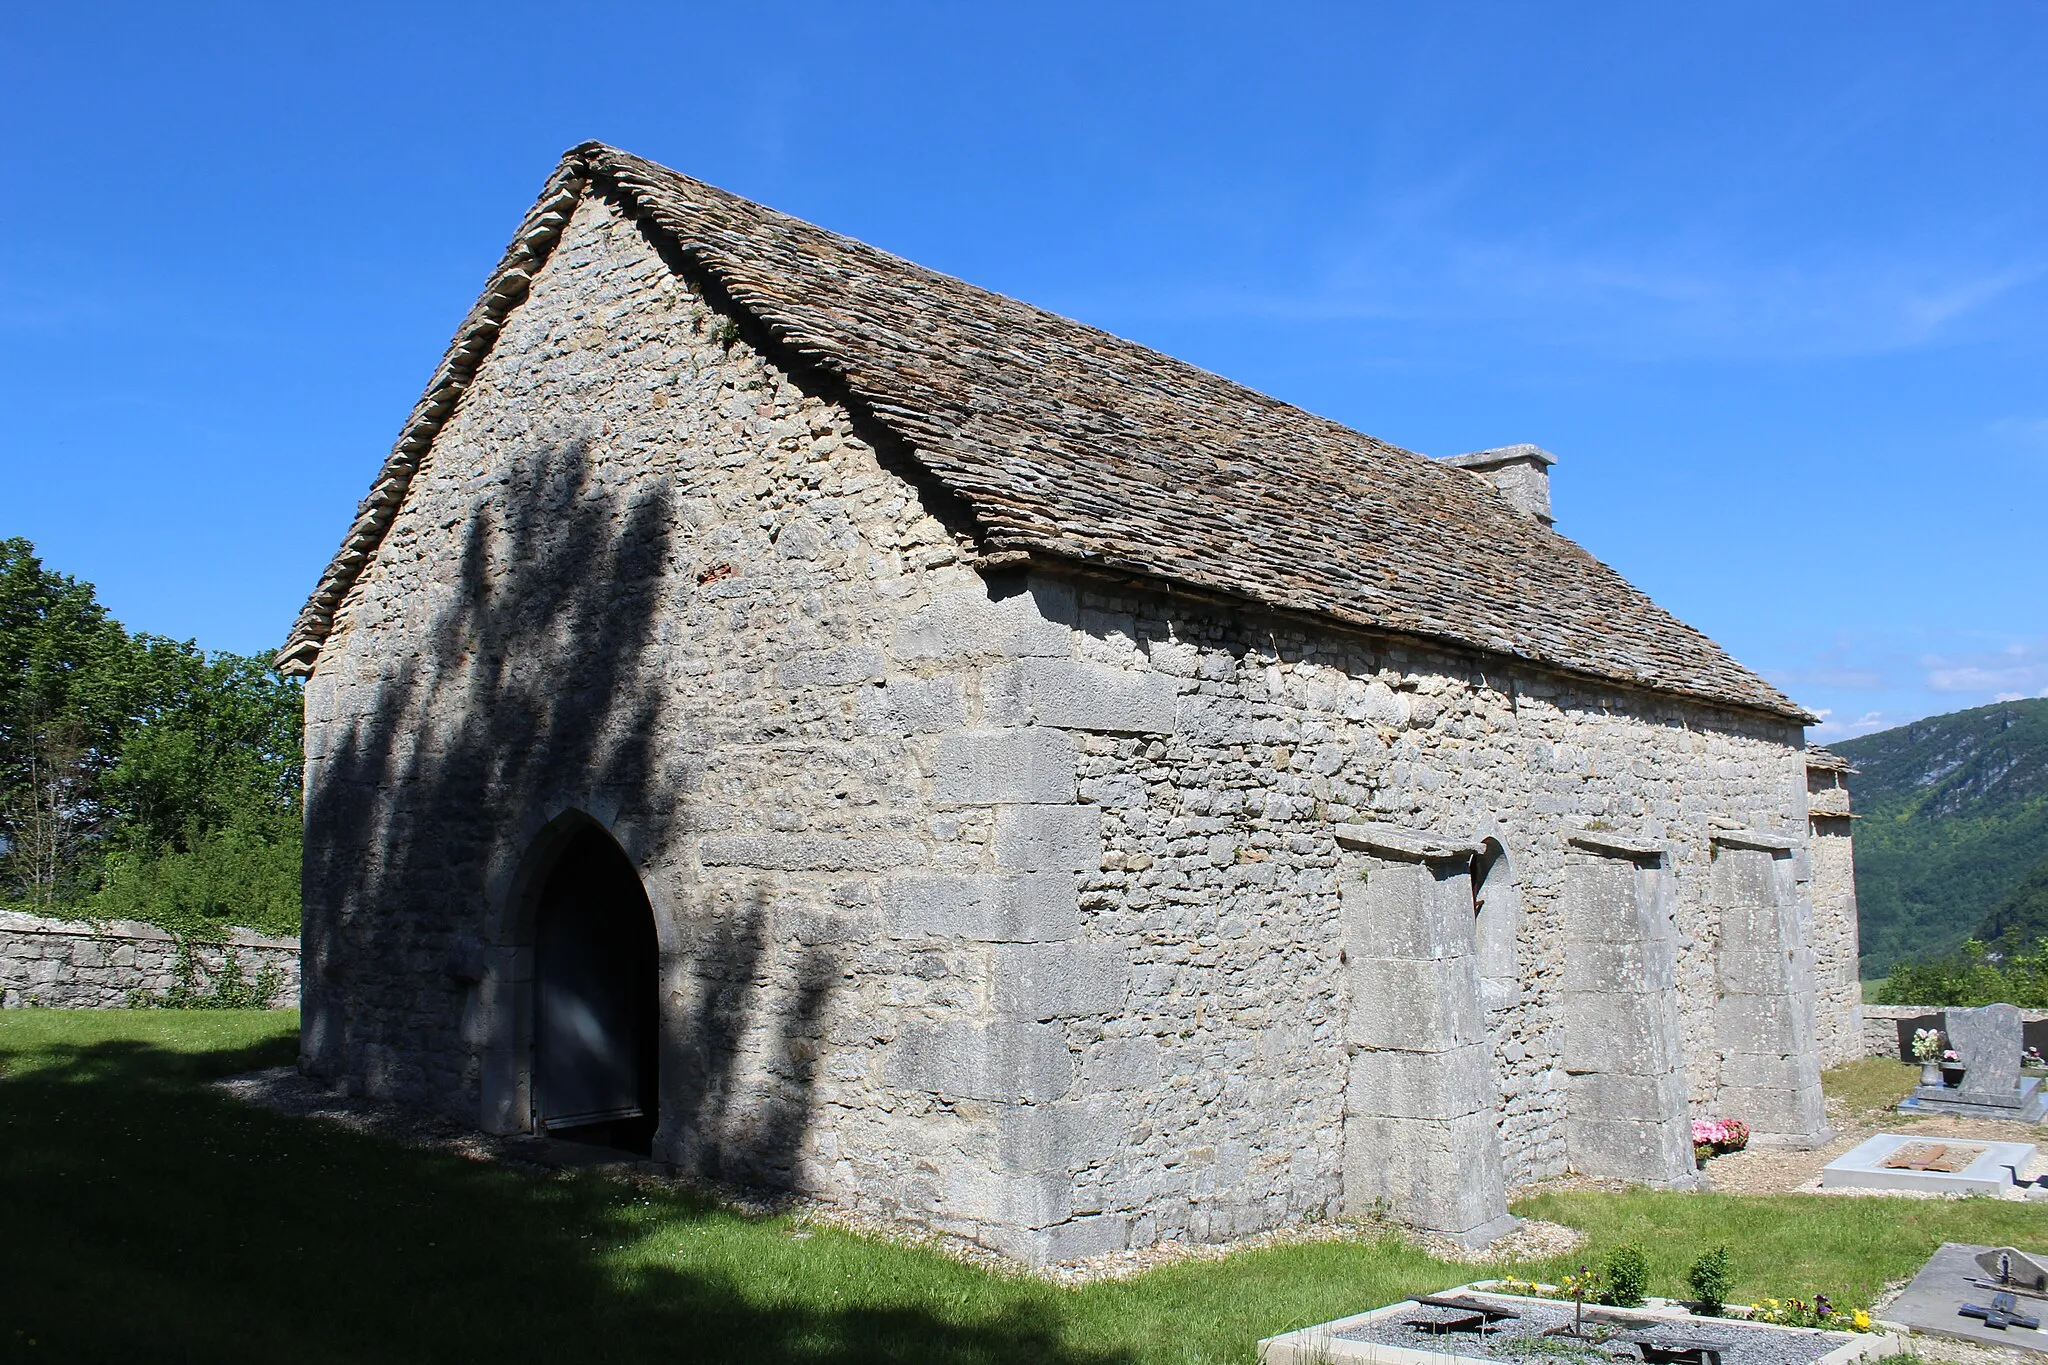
[
  {"x": 1886, "y": 1162},
  {"x": 1474, "y": 1323}
]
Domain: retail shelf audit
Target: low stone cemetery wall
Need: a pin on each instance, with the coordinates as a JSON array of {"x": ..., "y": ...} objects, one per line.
[
  {"x": 1888, "y": 1029},
  {"x": 75, "y": 964}
]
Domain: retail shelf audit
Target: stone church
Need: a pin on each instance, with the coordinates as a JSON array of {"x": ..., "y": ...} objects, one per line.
[{"x": 826, "y": 726}]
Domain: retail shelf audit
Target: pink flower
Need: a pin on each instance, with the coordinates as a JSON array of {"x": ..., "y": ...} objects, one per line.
[{"x": 1726, "y": 1135}]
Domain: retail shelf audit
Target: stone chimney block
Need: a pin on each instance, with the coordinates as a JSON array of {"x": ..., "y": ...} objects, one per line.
[{"x": 1520, "y": 473}]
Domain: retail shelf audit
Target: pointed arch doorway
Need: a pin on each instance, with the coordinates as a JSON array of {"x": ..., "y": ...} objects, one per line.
[{"x": 597, "y": 999}]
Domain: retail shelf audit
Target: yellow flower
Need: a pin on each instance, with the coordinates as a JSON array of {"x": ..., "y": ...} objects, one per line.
[{"x": 1862, "y": 1320}]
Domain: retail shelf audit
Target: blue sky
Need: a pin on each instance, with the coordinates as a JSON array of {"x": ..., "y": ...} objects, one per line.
[{"x": 1770, "y": 280}]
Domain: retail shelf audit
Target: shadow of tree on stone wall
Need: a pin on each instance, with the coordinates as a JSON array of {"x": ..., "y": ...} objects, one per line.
[
  {"x": 733, "y": 1133},
  {"x": 151, "y": 1217},
  {"x": 544, "y": 687}
]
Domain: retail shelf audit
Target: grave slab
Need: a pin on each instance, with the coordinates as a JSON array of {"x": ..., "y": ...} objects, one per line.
[
  {"x": 2027, "y": 1103},
  {"x": 1476, "y": 1324},
  {"x": 1988, "y": 1040},
  {"x": 1894, "y": 1161},
  {"x": 1953, "y": 1279}
]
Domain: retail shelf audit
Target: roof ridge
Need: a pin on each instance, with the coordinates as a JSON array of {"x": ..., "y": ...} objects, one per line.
[
  {"x": 606, "y": 160},
  {"x": 1004, "y": 403}
]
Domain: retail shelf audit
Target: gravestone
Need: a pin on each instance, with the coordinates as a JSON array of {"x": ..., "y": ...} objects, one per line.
[
  {"x": 1988, "y": 1041},
  {"x": 1909, "y": 1027}
]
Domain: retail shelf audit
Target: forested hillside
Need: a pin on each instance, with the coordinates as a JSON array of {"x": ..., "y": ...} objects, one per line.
[
  {"x": 1953, "y": 842},
  {"x": 140, "y": 777},
  {"x": 2022, "y": 918}
]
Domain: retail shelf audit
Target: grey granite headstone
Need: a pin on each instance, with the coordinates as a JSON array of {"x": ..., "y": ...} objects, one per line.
[{"x": 1988, "y": 1040}]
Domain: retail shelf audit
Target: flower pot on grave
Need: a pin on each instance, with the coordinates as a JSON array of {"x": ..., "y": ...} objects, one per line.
[
  {"x": 1952, "y": 1076},
  {"x": 1930, "y": 1073}
]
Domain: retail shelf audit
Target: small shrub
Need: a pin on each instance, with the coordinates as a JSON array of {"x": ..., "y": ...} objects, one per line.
[
  {"x": 1627, "y": 1272},
  {"x": 1709, "y": 1279},
  {"x": 246, "y": 874}
]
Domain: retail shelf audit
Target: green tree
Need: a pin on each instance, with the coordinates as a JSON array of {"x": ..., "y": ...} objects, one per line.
[
  {"x": 68, "y": 691},
  {"x": 2022, "y": 918},
  {"x": 140, "y": 777},
  {"x": 217, "y": 744},
  {"x": 1972, "y": 975},
  {"x": 205, "y": 830}
]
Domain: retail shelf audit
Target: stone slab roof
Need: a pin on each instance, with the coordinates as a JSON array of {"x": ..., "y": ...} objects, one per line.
[
  {"x": 1068, "y": 444},
  {"x": 1826, "y": 760}
]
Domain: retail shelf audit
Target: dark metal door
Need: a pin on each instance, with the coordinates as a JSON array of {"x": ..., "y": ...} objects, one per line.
[{"x": 595, "y": 966}]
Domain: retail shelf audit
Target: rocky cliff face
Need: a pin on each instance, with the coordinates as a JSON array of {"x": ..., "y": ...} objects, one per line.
[{"x": 1957, "y": 764}]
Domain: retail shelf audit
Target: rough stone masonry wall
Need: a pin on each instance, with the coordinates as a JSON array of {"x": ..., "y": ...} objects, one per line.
[
  {"x": 1010, "y": 904},
  {"x": 1220, "y": 876},
  {"x": 645, "y": 576},
  {"x": 75, "y": 964},
  {"x": 1838, "y": 985},
  {"x": 1838, "y": 988}
]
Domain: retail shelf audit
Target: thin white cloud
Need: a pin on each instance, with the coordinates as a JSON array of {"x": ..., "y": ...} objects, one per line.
[
  {"x": 1438, "y": 256},
  {"x": 1861, "y": 682},
  {"x": 2019, "y": 670},
  {"x": 2028, "y": 432},
  {"x": 1870, "y": 722},
  {"x": 26, "y": 310},
  {"x": 1649, "y": 308}
]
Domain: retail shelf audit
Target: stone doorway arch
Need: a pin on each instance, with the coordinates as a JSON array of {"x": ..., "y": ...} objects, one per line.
[{"x": 596, "y": 998}]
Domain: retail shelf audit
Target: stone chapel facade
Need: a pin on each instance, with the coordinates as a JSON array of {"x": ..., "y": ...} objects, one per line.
[{"x": 1079, "y": 802}]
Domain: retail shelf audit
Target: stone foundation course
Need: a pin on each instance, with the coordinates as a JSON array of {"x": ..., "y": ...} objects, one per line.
[{"x": 79, "y": 964}]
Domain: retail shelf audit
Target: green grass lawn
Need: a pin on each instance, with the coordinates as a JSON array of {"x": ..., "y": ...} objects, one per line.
[
  {"x": 145, "y": 1217},
  {"x": 1870, "y": 1086}
]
